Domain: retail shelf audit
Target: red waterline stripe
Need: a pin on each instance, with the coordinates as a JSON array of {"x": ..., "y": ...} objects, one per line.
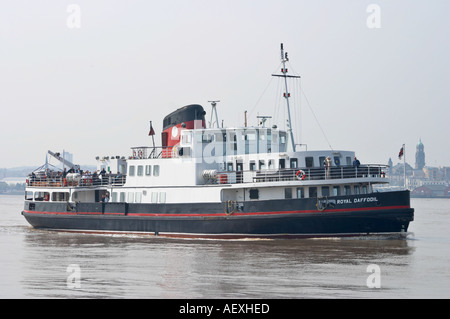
[{"x": 224, "y": 214}]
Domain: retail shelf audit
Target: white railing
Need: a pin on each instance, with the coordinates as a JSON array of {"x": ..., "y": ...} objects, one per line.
[
  {"x": 306, "y": 174},
  {"x": 75, "y": 180}
]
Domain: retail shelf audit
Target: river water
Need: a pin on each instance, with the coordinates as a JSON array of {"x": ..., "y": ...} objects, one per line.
[{"x": 46, "y": 264}]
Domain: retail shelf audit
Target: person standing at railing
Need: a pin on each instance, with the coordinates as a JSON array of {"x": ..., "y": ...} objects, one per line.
[
  {"x": 95, "y": 180},
  {"x": 356, "y": 165},
  {"x": 118, "y": 179},
  {"x": 103, "y": 176},
  {"x": 32, "y": 179},
  {"x": 327, "y": 165}
]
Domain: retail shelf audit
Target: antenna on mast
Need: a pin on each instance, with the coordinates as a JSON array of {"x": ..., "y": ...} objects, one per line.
[
  {"x": 287, "y": 95},
  {"x": 214, "y": 111},
  {"x": 263, "y": 119}
]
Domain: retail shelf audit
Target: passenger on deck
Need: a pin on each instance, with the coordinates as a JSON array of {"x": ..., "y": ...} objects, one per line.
[
  {"x": 103, "y": 176},
  {"x": 118, "y": 178},
  {"x": 95, "y": 179},
  {"x": 105, "y": 198},
  {"x": 356, "y": 162},
  {"x": 327, "y": 165}
]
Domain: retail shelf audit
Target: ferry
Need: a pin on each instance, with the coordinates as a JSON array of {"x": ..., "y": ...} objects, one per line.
[{"x": 219, "y": 183}]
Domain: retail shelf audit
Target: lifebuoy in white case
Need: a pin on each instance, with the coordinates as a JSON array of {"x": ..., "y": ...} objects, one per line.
[{"x": 300, "y": 175}]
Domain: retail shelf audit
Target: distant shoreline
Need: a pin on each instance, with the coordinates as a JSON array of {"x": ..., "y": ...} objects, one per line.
[{"x": 14, "y": 193}]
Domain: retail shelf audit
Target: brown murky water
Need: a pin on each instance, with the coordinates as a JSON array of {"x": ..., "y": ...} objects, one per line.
[{"x": 44, "y": 264}]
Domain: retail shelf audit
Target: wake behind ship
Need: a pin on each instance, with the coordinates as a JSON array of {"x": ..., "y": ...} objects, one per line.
[{"x": 215, "y": 182}]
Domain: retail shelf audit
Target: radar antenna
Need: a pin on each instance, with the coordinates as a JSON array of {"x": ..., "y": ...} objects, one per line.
[{"x": 263, "y": 119}]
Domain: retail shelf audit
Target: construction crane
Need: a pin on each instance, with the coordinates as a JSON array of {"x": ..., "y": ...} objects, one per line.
[{"x": 62, "y": 159}]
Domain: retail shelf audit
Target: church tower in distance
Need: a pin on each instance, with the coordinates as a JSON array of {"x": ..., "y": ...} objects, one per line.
[{"x": 420, "y": 155}]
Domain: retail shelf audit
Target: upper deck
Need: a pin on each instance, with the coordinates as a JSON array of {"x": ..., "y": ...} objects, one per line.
[{"x": 220, "y": 156}]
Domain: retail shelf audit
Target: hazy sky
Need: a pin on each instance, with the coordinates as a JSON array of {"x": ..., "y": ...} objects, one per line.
[{"x": 88, "y": 78}]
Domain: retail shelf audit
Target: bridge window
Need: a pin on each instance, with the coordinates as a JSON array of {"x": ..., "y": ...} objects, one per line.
[
  {"x": 293, "y": 163},
  {"x": 309, "y": 161},
  {"x": 364, "y": 189},
  {"x": 322, "y": 161},
  {"x": 254, "y": 193},
  {"x": 155, "y": 170},
  {"x": 28, "y": 195},
  {"x": 60, "y": 197},
  {"x": 42, "y": 196},
  {"x": 131, "y": 171},
  {"x": 312, "y": 192},
  {"x": 140, "y": 170},
  {"x": 282, "y": 142},
  {"x": 288, "y": 193},
  {"x": 300, "y": 192},
  {"x": 348, "y": 160},
  {"x": 207, "y": 138},
  {"x": 347, "y": 190},
  {"x": 336, "y": 190},
  {"x": 262, "y": 164},
  {"x": 154, "y": 197}
]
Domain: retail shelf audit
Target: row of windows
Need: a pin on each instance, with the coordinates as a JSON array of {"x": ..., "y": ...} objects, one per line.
[
  {"x": 136, "y": 197},
  {"x": 263, "y": 164},
  {"x": 312, "y": 192},
  {"x": 326, "y": 191},
  {"x": 140, "y": 170},
  {"x": 233, "y": 137},
  {"x": 293, "y": 163},
  {"x": 45, "y": 196}
]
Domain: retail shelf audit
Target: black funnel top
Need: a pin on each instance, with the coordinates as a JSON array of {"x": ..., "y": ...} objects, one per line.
[{"x": 185, "y": 114}]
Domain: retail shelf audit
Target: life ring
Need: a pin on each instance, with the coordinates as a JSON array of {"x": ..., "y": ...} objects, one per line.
[{"x": 300, "y": 175}]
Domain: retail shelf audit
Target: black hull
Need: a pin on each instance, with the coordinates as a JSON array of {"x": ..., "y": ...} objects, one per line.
[{"x": 379, "y": 213}]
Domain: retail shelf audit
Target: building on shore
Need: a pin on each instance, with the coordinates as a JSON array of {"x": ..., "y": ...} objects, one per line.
[{"x": 421, "y": 180}]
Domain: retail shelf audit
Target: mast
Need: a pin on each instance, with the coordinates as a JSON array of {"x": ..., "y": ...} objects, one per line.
[
  {"x": 214, "y": 111},
  {"x": 284, "y": 59}
]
